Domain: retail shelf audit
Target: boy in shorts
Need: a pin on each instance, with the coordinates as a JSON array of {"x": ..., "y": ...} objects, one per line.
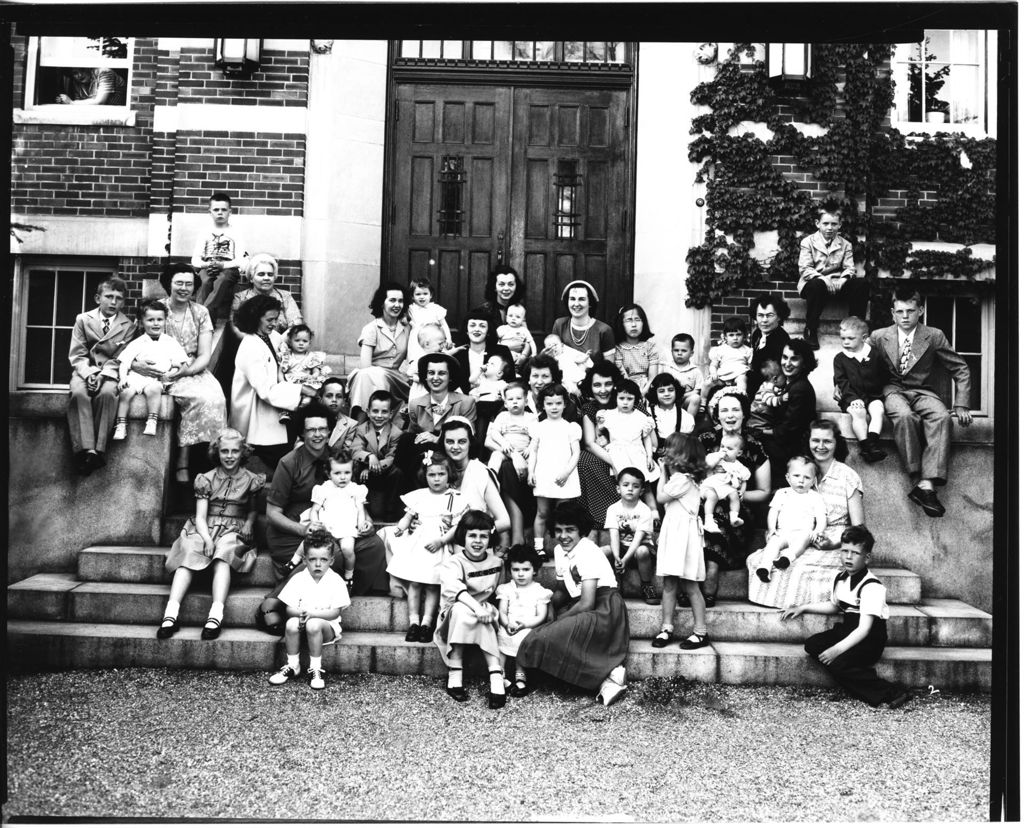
[
  {"x": 630, "y": 525},
  {"x": 313, "y": 603}
]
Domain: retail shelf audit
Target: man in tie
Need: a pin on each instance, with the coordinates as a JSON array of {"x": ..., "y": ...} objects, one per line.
[
  {"x": 918, "y": 358},
  {"x": 97, "y": 338}
]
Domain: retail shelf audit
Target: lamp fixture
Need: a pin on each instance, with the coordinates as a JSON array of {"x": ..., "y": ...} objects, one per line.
[
  {"x": 238, "y": 56},
  {"x": 788, "y": 61}
]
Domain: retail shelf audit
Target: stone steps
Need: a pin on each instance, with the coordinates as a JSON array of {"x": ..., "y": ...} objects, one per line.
[
  {"x": 62, "y": 597},
  {"x": 64, "y": 645},
  {"x": 145, "y": 564}
]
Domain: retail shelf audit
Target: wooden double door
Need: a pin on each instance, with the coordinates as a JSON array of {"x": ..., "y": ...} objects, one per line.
[{"x": 536, "y": 178}]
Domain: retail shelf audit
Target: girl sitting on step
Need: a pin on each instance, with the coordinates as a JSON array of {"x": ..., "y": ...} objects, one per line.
[{"x": 219, "y": 536}]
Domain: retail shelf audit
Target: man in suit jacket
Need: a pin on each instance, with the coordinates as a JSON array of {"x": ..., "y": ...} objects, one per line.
[
  {"x": 912, "y": 352},
  {"x": 97, "y": 338}
]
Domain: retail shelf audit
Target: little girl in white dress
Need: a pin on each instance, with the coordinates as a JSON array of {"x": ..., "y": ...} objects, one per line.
[
  {"x": 522, "y": 605},
  {"x": 416, "y": 556},
  {"x": 631, "y": 437}
]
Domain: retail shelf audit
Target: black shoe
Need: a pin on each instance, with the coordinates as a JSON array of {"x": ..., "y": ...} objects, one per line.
[
  {"x": 83, "y": 463},
  {"x": 928, "y": 501},
  {"x": 710, "y": 601},
  {"x": 763, "y": 574},
  {"x": 782, "y": 563},
  {"x": 811, "y": 338},
  {"x": 426, "y": 633},
  {"x": 496, "y": 701},
  {"x": 900, "y": 699},
  {"x": 457, "y": 693},
  {"x": 413, "y": 634},
  {"x": 168, "y": 630},
  {"x": 210, "y": 633}
]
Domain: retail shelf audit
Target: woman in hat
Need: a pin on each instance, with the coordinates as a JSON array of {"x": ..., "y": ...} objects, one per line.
[
  {"x": 580, "y": 330},
  {"x": 439, "y": 374}
]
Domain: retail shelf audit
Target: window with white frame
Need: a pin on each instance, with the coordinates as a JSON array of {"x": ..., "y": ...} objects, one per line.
[
  {"x": 946, "y": 83},
  {"x": 50, "y": 295},
  {"x": 968, "y": 323},
  {"x": 77, "y": 80}
]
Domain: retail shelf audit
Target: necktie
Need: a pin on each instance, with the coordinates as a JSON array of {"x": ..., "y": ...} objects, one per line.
[
  {"x": 106, "y": 326},
  {"x": 905, "y": 356}
]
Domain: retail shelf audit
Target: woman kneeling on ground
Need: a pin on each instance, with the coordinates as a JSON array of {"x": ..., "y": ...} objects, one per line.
[{"x": 586, "y": 644}]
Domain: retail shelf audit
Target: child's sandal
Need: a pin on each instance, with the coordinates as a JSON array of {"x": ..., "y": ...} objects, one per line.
[
  {"x": 662, "y": 638},
  {"x": 519, "y": 688},
  {"x": 166, "y": 630},
  {"x": 212, "y": 630}
]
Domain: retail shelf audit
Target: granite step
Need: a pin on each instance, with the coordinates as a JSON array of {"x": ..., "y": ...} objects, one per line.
[
  {"x": 62, "y": 597},
  {"x": 35, "y": 645},
  {"x": 145, "y": 564}
]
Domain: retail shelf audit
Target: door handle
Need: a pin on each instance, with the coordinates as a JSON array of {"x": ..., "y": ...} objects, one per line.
[{"x": 501, "y": 248}]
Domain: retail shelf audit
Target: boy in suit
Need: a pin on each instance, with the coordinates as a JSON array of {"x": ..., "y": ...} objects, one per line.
[
  {"x": 850, "y": 650},
  {"x": 826, "y": 268},
  {"x": 374, "y": 443},
  {"x": 911, "y": 353},
  {"x": 97, "y": 338}
]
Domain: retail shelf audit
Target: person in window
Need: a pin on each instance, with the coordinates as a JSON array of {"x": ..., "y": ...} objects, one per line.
[
  {"x": 826, "y": 269},
  {"x": 95, "y": 86},
  {"x": 913, "y": 354}
]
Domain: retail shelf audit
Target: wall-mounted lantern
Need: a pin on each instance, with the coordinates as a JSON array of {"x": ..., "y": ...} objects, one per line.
[
  {"x": 238, "y": 56},
  {"x": 789, "y": 61}
]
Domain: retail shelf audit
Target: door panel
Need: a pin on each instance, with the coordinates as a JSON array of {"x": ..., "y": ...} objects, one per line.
[
  {"x": 518, "y": 147},
  {"x": 573, "y": 127},
  {"x": 470, "y": 123}
]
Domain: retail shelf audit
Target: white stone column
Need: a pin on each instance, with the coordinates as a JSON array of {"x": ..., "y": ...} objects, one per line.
[
  {"x": 341, "y": 233},
  {"x": 668, "y": 221}
]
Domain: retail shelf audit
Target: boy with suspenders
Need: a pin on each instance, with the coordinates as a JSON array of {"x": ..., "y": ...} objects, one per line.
[{"x": 852, "y": 647}]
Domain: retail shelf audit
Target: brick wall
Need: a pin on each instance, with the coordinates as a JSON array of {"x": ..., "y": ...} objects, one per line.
[
  {"x": 263, "y": 172},
  {"x": 282, "y": 79}
]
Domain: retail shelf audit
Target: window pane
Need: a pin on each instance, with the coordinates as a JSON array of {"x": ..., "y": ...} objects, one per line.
[
  {"x": 961, "y": 96},
  {"x": 61, "y": 366},
  {"x": 573, "y": 51},
  {"x": 92, "y": 285},
  {"x": 481, "y": 49},
  {"x": 545, "y": 50},
  {"x": 616, "y": 52},
  {"x": 939, "y": 314},
  {"x": 968, "y": 327},
  {"x": 40, "y": 297},
  {"x": 503, "y": 50},
  {"x": 965, "y": 47},
  {"x": 453, "y": 49},
  {"x": 69, "y": 297},
  {"x": 936, "y": 45},
  {"x": 39, "y": 356},
  {"x": 431, "y": 48},
  {"x": 596, "y": 52},
  {"x": 523, "y": 50}
]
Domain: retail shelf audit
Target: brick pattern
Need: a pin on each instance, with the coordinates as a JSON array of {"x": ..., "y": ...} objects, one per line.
[
  {"x": 263, "y": 172},
  {"x": 282, "y": 80}
]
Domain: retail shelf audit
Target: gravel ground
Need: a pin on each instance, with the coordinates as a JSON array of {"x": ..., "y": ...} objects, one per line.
[{"x": 150, "y": 743}]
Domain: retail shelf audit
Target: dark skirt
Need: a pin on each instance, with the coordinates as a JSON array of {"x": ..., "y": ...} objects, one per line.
[
  {"x": 583, "y": 648},
  {"x": 729, "y": 546},
  {"x": 597, "y": 486},
  {"x": 517, "y": 490}
]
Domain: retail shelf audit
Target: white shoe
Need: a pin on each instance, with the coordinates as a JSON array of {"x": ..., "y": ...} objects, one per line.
[
  {"x": 120, "y": 431},
  {"x": 316, "y": 680},
  {"x": 610, "y": 692},
  {"x": 282, "y": 675},
  {"x": 150, "y": 429}
]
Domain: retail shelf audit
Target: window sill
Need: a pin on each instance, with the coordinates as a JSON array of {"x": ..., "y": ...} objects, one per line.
[
  {"x": 910, "y": 128},
  {"x": 68, "y": 114}
]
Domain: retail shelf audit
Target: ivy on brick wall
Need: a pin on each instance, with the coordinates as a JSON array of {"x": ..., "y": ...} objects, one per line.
[{"x": 947, "y": 179}]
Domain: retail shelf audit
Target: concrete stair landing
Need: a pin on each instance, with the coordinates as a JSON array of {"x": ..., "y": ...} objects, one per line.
[{"x": 106, "y": 614}]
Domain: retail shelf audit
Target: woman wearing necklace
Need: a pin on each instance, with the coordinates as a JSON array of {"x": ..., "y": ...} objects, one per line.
[
  {"x": 580, "y": 330},
  {"x": 383, "y": 344},
  {"x": 259, "y": 391},
  {"x": 197, "y": 394}
]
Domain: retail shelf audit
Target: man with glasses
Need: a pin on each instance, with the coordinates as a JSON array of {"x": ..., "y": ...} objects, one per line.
[
  {"x": 914, "y": 354},
  {"x": 289, "y": 495}
]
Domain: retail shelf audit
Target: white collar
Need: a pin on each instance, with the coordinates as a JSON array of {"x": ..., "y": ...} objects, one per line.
[{"x": 861, "y": 355}]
